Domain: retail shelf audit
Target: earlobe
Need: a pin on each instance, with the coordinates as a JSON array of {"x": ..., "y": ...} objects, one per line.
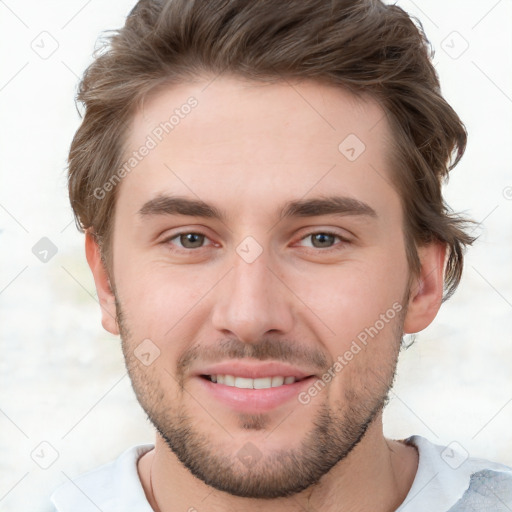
[
  {"x": 101, "y": 280},
  {"x": 427, "y": 288}
]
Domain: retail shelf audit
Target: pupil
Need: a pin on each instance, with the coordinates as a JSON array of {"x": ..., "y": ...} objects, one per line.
[
  {"x": 321, "y": 237},
  {"x": 191, "y": 238}
]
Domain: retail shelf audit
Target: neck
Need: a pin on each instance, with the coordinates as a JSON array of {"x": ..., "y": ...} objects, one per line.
[{"x": 376, "y": 475}]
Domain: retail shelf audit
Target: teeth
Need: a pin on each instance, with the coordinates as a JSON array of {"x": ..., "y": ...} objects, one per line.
[
  {"x": 262, "y": 383},
  {"x": 277, "y": 381},
  {"x": 241, "y": 382},
  {"x": 245, "y": 383}
]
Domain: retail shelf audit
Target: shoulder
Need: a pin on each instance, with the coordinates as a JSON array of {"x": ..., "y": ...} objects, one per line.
[
  {"x": 489, "y": 489},
  {"x": 105, "y": 488},
  {"x": 449, "y": 479}
]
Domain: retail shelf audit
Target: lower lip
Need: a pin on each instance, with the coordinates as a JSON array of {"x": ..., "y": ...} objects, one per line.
[{"x": 254, "y": 400}]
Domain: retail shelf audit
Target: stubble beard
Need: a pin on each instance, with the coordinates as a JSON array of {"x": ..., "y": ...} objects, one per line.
[{"x": 335, "y": 431}]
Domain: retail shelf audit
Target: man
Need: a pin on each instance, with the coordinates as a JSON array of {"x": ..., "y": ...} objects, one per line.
[{"x": 260, "y": 186}]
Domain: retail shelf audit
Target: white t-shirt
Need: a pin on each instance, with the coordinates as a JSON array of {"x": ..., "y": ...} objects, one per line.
[{"x": 446, "y": 481}]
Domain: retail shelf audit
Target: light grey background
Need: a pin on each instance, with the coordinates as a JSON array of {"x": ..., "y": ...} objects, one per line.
[{"x": 62, "y": 377}]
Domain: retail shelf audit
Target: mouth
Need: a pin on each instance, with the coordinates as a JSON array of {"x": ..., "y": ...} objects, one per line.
[
  {"x": 253, "y": 386},
  {"x": 249, "y": 383}
]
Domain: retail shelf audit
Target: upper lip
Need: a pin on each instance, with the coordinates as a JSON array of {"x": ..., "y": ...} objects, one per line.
[{"x": 253, "y": 370}]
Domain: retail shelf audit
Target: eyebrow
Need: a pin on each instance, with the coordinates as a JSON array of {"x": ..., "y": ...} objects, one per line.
[{"x": 331, "y": 205}]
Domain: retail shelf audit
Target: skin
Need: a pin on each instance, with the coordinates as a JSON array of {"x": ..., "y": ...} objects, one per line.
[{"x": 248, "y": 148}]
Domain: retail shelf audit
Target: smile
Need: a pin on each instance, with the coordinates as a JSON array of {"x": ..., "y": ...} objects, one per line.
[{"x": 248, "y": 383}]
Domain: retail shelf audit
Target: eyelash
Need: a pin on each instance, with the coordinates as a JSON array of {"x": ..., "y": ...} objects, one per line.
[{"x": 323, "y": 232}]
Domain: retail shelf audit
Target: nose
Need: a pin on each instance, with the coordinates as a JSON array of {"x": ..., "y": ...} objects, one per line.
[{"x": 253, "y": 301}]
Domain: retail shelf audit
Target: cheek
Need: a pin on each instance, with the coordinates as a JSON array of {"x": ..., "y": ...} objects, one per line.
[
  {"x": 158, "y": 302},
  {"x": 353, "y": 296},
  {"x": 364, "y": 362}
]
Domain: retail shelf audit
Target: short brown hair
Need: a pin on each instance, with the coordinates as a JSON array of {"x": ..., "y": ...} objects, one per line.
[{"x": 368, "y": 48}]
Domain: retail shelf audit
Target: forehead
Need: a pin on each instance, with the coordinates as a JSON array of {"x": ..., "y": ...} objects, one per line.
[
  {"x": 248, "y": 139},
  {"x": 234, "y": 114}
]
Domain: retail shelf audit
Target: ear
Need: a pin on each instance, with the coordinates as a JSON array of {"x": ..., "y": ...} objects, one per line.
[
  {"x": 102, "y": 282},
  {"x": 427, "y": 288}
]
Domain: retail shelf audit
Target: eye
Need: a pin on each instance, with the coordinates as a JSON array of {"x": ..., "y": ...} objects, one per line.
[
  {"x": 194, "y": 240},
  {"x": 323, "y": 239},
  {"x": 188, "y": 240}
]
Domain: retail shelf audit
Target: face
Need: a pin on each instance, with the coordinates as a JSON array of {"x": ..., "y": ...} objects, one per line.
[{"x": 261, "y": 281}]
